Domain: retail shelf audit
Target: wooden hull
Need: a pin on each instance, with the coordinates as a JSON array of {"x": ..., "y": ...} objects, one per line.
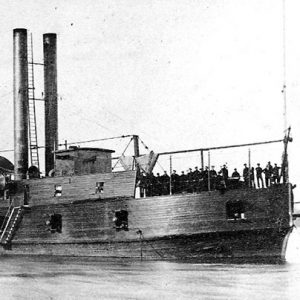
[
  {"x": 264, "y": 245},
  {"x": 184, "y": 226}
]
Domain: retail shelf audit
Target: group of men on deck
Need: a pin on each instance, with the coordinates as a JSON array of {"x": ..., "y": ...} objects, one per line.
[
  {"x": 272, "y": 175},
  {"x": 207, "y": 179}
]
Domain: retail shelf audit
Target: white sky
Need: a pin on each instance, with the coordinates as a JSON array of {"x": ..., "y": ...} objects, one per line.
[{"x": 181, "y": 74}]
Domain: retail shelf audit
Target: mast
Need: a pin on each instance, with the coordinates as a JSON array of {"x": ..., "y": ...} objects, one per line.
[
  {"x": 136, "y": 149},
  {"x": 136, "y": 145},
  {"x": 287, "y": 130},
  {"x": 285, "y": 163},
  {"x": 284, "y": 67}
]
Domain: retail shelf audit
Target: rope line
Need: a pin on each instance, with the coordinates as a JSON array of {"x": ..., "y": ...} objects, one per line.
[
  {"x": 146, "y": 147},
  {"x": 221, "y": 147},
  {"x": 79, "y": 142},
  {"x": 122, "y": 153}
]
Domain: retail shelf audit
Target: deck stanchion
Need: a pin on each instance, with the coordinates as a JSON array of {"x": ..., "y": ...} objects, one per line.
[
  {"x": 208, "y": 174},
  {"x": 170, "y": 174},
  {"x": 249, "y": 164}
]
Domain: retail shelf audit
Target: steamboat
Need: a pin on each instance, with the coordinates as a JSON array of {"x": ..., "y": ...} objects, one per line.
[{"x": 82, "y": 207}]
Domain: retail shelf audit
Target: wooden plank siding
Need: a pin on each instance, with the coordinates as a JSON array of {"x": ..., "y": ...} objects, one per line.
[
  {"x": 80, "y": 187},
  {"x": 91, "y": 220},
  {"x": 267, "y": 245}
]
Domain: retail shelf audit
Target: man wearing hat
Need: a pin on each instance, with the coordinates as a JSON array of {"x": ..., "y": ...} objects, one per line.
[
  {"x": 213, "y": 176},
  {"x": 196, "y": 179},
  {"x": 259, "y": 171},
  {"x": 246, "y": 175},
  {"x": 268, "y": 173},
  {"x": 190, "y": 180}
]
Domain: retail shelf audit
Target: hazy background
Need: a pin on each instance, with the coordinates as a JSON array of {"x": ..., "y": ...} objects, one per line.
[{"x": 181, "y": 74}]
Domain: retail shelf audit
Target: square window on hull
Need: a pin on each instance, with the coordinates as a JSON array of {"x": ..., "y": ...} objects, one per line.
[
  {"x": 55, "y": 223},
  {"x": 121, "y": 220},
  {"x": 235, "y": 210},
  {"x": 99, "y": 187}
]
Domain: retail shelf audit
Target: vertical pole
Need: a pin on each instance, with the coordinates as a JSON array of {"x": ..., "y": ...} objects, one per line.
[
  {"x": 20, "y": 63},
  {"x": 170, "y": 174},
  {"x": 284, "y": 66},
  {"x": 136, "y": 149},
  {"x": 285, "y": 162},
  {"x": 208, "y": 171},
  {"x": 141, "y": 243},
  {"x": 136, "y": 154},
  {"x": 54, "y": 157},
  {"x": 136, "y": 145},
  {"x": 202, "y": 160},
  {"x": 249, "y": 163},
  {"x": 285, "y": 175},
  {"x": 66, "y": 144}
]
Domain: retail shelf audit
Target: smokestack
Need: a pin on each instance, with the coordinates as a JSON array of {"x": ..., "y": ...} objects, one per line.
[
  {"x": 20, "y": 103},
  {"x": 50, "y": 91}
]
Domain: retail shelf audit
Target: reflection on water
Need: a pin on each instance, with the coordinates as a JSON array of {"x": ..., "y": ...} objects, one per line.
[
  {"x": 90, "y": 278},
  {"x": 72, "y": 278}
]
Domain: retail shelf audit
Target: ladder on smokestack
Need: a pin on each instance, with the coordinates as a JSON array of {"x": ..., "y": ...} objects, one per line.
[{"x": 34, "y": 150}]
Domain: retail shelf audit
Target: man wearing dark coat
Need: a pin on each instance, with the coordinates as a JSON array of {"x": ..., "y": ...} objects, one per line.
[
  {"x": 205, "y": 178},
  {"x": 225, "y": 173},
  {"x": 276, "y": 176},
  {"x": 268, "y": 174},
  {"x": 196, "y": 180},
  {"x": 182, "y": 182},
  {"x": 236, "y": 175},
  {"x": 252, "y": 183},
  {"x": 151, "y": 184},
  {"x": 165, "y": 180},
  {"x": 175, "y": 182},
  {"x": 235, "y": 178},
  {"x": 259, "y": 179},
  {"x": 158, "y": 185},
  {"x": 246, "y": 175},
  {"x": 213, "y": 177},
  {"x": 190, "y": 181}
]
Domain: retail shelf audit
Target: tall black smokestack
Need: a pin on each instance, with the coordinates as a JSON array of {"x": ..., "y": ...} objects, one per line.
[
  {"x": 20, "y": 103},
  {"x": 50, "y": 89}
]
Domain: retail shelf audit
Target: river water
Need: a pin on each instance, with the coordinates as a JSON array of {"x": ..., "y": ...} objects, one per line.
[{"x": 89, "y": 278}]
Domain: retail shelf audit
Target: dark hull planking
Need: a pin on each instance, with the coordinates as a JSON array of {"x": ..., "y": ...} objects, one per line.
[
  {"x": 188, "y": 226},
  {"x": 257, "y": 245}
]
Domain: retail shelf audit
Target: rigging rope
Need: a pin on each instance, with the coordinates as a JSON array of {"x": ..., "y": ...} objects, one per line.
[
  {"x": 122, "y": 153},
  {"x": 146, "y": 147},
  {"x": 221, "y": 147},
  {"x": 76, "y": 143},
  {"x": 97, "y": 140}
]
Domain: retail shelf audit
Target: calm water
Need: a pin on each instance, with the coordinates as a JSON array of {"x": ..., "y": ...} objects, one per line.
[{"x": 73, "y": 278}]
